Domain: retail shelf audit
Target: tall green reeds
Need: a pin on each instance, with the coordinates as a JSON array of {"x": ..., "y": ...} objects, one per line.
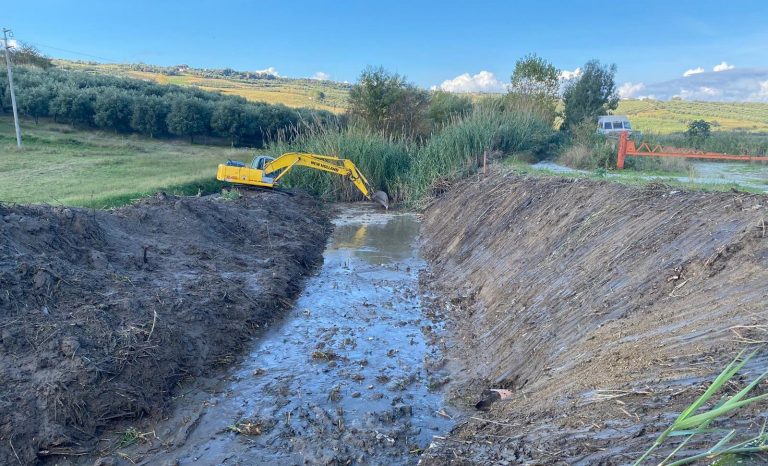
[
  {"x": 458, "y": 149},
  {"x": 407, "y": 170},
  {"x": 383, "y": 160}
]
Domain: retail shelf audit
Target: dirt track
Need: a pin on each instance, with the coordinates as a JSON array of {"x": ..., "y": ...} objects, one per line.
[
  {"x": 104, "y": 313},
  {"x": 604, "y": 308}
]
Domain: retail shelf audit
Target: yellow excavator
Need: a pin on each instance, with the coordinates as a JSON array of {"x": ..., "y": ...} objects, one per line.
[{"x": 266, "y": 172}]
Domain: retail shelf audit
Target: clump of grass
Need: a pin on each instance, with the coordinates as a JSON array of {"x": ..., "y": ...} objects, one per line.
[
  {"x": 576, "y": 156},
  {"x": 690, "y": 423},
  {"x": 231, "y": 194}
]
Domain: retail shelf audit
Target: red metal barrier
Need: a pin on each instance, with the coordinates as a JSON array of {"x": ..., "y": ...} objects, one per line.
[{"x": 627, "y": 148}]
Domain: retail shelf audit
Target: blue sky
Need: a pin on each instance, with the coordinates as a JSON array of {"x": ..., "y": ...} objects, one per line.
[{"x": 428, "y": 41}]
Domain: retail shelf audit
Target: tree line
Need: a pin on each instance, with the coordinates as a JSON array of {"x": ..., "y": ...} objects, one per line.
[
  {"x": 126, "y": 105},
  {"x": 387, "y": 102}
]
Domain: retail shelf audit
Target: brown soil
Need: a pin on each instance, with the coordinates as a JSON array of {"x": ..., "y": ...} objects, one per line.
[
  {"x": 605, "y": 308},
  {"x": 104, "y": 313}
]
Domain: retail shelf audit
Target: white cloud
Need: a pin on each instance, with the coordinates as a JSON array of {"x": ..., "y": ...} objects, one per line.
[
  {"x": 566, "y": 75},
  {"x": 271, "y": 70},
  {"x": 723, "y": 66},
  {"x": 321, "y": 76},
  {"x": 484, "y": 81},
  {"x": 630, "y": 90},
  {"x": 693, "y": 71},
  {"x": 762, "y": 94}
]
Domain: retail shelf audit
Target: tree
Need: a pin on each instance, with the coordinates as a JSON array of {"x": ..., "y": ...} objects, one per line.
[
  {"x": 228, "y": 119},
  {"x": 34, "y": 101},
  {"x": 590, "y": 95},
  {"x": 444, "y": 105},
  {"x": 72, "y": 105},
  {"x": 387, "y": 102},
  {"x": 189, "y": 116},
  {"x": 698, "y": 131},
  {"x": 148, "y": 116},
  {"x": 112, "y": 110},
  {"x": 535, "y": 83},
  {"x": 27, "y": 54}
]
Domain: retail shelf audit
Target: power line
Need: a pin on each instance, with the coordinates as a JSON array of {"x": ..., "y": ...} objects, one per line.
[{"x": 37, "y": 44}]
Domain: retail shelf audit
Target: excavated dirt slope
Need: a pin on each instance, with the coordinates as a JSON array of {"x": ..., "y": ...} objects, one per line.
[
  {"x": 604, "y": 308},
  {"x": 102, "y": 313}
]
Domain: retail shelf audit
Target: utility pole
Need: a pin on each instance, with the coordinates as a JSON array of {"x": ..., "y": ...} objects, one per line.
[{"x": 10, "y": 84}]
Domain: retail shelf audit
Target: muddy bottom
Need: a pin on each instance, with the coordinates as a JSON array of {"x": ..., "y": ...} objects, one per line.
[{"x": 340, "y": 381}]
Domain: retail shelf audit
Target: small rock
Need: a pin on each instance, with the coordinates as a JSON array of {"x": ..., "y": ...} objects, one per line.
[{"x": 402, "y": 410}]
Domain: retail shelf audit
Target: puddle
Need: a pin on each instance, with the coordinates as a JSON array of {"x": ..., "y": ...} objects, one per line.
[{"x": 339, "y": 381}]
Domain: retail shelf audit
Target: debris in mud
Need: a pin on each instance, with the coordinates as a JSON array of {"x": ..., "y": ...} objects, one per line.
[
  {"x": 247, "y": 428},
  {"x": 105, "y": 312},
  {"x": 490, "y": 396}
]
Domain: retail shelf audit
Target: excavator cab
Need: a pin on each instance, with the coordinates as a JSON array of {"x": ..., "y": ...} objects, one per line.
[{"x": 260, "y": 161}]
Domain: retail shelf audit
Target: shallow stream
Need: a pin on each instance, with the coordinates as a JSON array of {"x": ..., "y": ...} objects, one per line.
[{"x": 342, "y": 379}]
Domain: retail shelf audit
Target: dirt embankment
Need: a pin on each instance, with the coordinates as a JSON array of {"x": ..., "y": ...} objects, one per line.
[
  {"x": 604, "y": 308},
  {"x": 104, "y": 313}
]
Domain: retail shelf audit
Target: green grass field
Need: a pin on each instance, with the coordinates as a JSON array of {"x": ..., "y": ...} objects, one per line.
[{"x": 61, "y": 165}]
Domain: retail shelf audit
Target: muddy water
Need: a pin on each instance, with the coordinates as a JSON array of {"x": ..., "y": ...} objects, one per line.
[{"x": 341, "y": 380}]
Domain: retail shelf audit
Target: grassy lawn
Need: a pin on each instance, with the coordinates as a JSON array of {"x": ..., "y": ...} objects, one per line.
[{"x": 61, "y": 165}]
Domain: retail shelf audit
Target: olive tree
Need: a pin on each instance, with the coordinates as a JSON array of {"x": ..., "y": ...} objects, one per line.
[{"x": 590, "y": 95}]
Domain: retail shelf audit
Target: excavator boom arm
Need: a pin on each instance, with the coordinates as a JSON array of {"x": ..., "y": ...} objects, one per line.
[{"x": 343, "y": 167}]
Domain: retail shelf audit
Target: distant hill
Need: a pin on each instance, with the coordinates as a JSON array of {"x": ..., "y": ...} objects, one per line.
[
  {"x": 253, "y": 85},
  {"x": 653, "y": 116}
]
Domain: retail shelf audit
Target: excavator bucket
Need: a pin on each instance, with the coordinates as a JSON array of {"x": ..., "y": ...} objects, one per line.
[{"x": 382, "y": 198}]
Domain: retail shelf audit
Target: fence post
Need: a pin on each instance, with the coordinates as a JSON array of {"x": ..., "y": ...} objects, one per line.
[{"x": 622, "y": 151}]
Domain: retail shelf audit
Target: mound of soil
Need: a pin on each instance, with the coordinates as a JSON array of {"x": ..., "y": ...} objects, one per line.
[
  {"x": 604, "y": 309},
  {"x": 104, "y": 313}
]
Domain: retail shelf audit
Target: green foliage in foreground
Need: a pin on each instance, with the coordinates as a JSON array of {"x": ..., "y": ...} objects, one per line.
[{"x": 691, "y": 423}]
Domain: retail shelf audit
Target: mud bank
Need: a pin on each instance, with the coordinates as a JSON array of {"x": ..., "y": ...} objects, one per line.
[
  {"x": 604, "y": 308},
  {"x": 104, "y": 313}
]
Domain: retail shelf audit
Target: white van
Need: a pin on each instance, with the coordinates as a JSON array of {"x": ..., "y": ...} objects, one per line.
[{"x": 613, "y": 124}]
